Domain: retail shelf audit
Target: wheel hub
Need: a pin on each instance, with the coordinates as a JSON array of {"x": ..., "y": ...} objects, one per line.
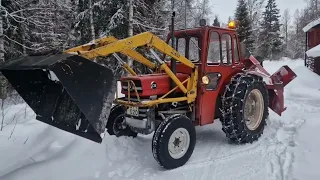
[
  {"x": 178, "y": 143},
  {"x": 254, "y": 108},
  {"x": 119, "y": 125}
]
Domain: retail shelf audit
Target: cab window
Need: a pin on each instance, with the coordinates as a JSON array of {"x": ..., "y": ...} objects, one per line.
[
  {"x": 236, "y": 50},
  {"x": 194, "y": 49},
  {"x": 189, "y": 47},
  {"x": 214, "y": 49},
  {"x": 226, "y": 49},
  {"x": 181, "y": 46}
]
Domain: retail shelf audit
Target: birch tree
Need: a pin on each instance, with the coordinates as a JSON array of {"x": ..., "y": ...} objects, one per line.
[
  {"x": 286, "y": 20},
  {"x": 130, "y": 28},
  {"x": 93, "y": 34},
  {"x": 255, "y": 9},
  {"x": 1, "y": 34}
]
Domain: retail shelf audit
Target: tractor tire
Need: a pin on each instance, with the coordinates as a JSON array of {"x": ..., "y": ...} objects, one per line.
[
  {"x": 174, "y": 141},
  {"x": 241, "y": 121},
  {"x": 116, "y": 123}
]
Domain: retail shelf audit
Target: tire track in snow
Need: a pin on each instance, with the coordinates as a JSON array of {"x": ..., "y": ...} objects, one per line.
[
  {"x": 284, "y": 142},
  {"x": 277, "y": 143},
  {"x": 243, "y": 151}
]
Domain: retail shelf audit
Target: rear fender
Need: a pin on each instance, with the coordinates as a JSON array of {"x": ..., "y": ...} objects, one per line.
[{"x": 275, "y": 85}]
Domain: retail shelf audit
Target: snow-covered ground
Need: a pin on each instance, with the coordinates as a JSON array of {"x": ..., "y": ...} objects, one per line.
[{"x": 288, "y": 150}]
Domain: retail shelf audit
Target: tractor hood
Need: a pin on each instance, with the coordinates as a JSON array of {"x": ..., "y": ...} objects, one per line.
[{"x": 150, "y": 84}]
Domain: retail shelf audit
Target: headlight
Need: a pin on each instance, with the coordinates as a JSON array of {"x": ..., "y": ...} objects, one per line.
[{"x": 205, "y": 80}]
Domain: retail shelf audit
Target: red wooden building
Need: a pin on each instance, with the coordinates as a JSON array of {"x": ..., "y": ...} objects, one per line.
[{"x": 312, "y": 58}]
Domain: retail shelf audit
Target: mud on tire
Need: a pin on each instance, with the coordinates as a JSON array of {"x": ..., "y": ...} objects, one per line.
[
  {"x": 176, "y": 132},
  {"x": 234, "y": 119},
  {"x": 117, "y": 115}
]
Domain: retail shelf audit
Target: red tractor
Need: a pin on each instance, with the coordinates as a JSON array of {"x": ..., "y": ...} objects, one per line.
[{"x": 208, "y": 75}]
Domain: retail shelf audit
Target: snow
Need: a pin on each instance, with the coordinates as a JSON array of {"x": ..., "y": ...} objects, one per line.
[
  {"x": 311, "y": 25},
  {"x": 30, "y": 150},
  {"x": 314, "y": 52},
  {"x": 53, "y": 76}
]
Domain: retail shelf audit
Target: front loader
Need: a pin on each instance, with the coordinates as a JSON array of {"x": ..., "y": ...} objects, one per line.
[{"x": 214, "y": 78}]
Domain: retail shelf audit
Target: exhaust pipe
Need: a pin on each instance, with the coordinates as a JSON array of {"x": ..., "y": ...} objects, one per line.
[{"x": 173, "y": 61}]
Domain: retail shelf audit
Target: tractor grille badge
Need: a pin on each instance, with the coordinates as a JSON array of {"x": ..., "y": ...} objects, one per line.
[{"x": 153, "y": 85}]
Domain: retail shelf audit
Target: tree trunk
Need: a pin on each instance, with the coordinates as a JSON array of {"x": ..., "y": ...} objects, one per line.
[
  {"x": 286, "y": 29},
  {"x": 185, "y": 14},
  {"x": 1, "y": 39},
  {"x": 93, "y": 35},
  {"x": 130, "y": 29},
  {"x": 23, "y": 36}
]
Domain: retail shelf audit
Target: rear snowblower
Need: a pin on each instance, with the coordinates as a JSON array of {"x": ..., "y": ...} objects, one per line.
[{"x": 66, "y": 91}]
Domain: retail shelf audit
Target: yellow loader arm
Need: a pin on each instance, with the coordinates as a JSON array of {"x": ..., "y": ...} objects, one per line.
[
  {"x": 108, "y": 40},
  {"x": 71, "y": 92},
  {"x": 148, "y": 39}
]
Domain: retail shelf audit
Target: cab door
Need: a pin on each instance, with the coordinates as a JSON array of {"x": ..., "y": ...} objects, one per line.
[{"x": 222, "y": 60}]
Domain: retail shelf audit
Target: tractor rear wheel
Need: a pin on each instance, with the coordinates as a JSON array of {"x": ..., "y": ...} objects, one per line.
[
  {"x": 116, "y": 124},
  {"x": 245, "y": 108},
  {"x": 174, "y": 141}
]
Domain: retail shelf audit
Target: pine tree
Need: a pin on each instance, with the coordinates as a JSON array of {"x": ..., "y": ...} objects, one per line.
[
  {"x": 270, "y": 38},
  {"x": 244, "y": 24},
  {"x": 216, "y": 21}
]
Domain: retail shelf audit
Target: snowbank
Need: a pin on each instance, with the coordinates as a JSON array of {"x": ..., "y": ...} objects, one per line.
[
  {"x": 273, "y": 65},
  {"x": 287, "y": 150}
]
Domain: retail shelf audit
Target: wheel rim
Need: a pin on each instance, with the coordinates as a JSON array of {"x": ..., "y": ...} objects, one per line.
[
  {"x": 179, "y": 143},
  {"x": 254, "y": 108},
  {"x": 119, "y": 125}
]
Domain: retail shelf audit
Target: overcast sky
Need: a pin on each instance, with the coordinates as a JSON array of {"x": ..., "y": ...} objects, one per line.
[{"x": 226, "y": 8}]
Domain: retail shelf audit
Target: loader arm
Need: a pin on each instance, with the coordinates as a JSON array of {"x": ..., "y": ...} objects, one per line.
[
  {"x": 71, "y": 92},
  {"x": 128, "y": 44},
  {"x": 108, "y": 40},
  {"x": 151, "y": 41}
]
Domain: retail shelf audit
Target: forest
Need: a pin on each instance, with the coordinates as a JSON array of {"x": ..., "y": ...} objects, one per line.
[{"x": 51, "y": 26}]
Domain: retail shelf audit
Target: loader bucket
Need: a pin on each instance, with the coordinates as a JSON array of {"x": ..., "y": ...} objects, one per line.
[{"x": 66, "y": 91}]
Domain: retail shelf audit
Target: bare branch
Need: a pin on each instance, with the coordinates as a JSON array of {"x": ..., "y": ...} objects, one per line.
[
  {"x": 30, "y": 9},
  {"x": 20, "y": 43}
]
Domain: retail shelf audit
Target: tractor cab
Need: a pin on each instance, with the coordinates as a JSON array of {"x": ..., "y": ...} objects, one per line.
[
  {"x": 216, "y": 53},
  {"x": 208, "y": 45}
]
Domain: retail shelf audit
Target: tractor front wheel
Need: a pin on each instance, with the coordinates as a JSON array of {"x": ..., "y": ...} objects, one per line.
[
  {"x": 174, "y": 141},
  {"x": 245, "y": 108},
  {"x": 116, "y": 124}
]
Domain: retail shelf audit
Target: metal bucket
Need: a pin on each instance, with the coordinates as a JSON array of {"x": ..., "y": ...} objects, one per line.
[{"x": 66, "y": 91}]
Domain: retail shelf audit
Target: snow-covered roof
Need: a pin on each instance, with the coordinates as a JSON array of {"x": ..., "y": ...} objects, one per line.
[
  {"x": 311, "y": 25},
  {"x": 314, "y": 52}
]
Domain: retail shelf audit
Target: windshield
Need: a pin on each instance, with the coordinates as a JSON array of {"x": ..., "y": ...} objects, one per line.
[{"x": 188, "y": 47}]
